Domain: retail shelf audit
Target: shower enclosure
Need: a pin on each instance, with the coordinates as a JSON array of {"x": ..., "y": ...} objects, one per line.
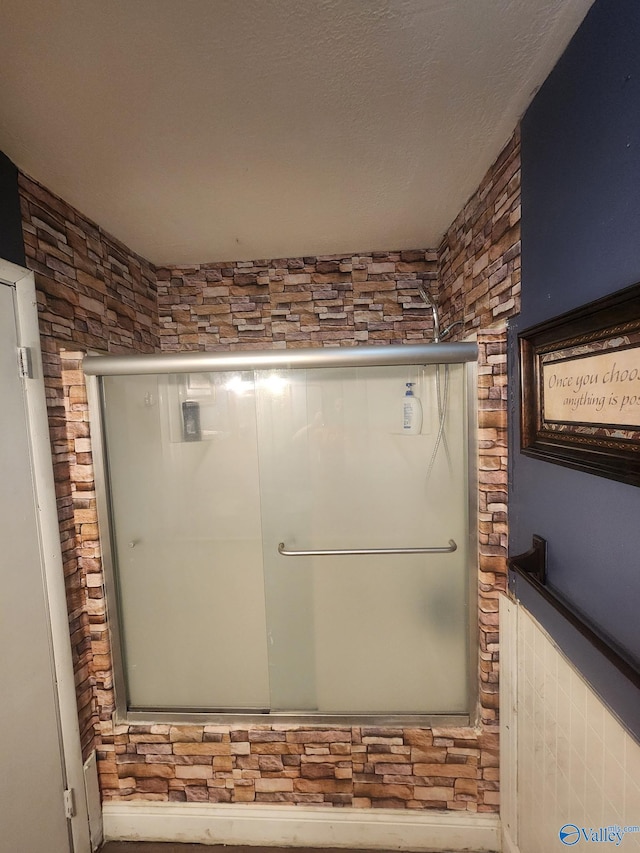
[{"x": 278, "y": 545}]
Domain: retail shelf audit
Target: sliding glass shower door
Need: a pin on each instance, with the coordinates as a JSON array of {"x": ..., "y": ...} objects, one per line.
[
  {"x": 374, "y": 632},
  {"x": 186, "y": 535},
  {"x": 222, "y": 483}
]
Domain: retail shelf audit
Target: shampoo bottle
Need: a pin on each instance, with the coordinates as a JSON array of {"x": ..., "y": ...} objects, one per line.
[{"x": 411, "y": 412}]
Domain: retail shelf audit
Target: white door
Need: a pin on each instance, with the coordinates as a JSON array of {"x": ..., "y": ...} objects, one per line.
[{"x": 32, "y": 813}]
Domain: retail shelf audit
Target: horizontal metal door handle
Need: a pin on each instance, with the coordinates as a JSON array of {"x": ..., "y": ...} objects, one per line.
[{"x": 446, "y": 549}]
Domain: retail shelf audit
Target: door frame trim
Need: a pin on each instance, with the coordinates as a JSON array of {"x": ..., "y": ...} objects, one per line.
[{"x": 28, "y": 334}]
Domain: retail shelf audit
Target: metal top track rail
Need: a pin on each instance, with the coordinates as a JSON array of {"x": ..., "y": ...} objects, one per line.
[{"x": 206, "y": 362}]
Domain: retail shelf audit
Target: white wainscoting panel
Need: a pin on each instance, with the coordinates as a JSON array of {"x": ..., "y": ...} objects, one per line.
[{"x": 576, "y": 764}]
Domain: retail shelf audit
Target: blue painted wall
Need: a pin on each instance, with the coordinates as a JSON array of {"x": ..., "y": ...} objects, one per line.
[{"x": 581, "y": 241}]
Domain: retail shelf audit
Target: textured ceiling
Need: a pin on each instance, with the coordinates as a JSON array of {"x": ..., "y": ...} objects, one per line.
[{"x": 201, "y": 130}]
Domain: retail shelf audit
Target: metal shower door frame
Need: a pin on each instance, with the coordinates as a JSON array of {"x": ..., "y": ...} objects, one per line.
[{"x": 97, "y": 366}]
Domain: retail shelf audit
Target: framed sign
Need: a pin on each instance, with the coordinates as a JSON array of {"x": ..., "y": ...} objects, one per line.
[{"x": 580, "y": 388}]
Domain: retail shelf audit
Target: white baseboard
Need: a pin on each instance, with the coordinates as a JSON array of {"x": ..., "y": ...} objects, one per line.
[{"x": 299, "y": 826}]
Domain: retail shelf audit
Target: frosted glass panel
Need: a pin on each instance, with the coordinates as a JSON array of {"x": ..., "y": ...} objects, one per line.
[
  {"x": 210, "y": 472},
  {"x": 365, "y": 634},
  {"x": 186, "y": 523}
]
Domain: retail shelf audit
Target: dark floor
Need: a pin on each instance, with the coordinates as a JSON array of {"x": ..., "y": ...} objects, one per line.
[
  {"x": 174, "y": 847},
  {"x": 170, "y": 847}
]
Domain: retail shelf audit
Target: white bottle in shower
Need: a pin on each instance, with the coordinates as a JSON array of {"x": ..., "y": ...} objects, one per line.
[{"x": 411, "y": 412}]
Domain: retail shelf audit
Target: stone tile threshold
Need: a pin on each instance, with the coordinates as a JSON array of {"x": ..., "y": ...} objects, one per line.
[{"x": 172, "y": 847}]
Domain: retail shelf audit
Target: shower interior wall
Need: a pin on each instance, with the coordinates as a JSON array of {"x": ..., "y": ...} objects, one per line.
[{"x": 96, "y": 295}]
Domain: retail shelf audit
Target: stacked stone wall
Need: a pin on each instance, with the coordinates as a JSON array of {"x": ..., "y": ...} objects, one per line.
[
  {"x": 93, "y": 294},
  {"x": 479, "y": 289},
  {"x": 330, "y": 300},
  {"x": 479, "y": 257},
  {"x": 439, "y": 768},
  {"x": 341, "y": 300}
]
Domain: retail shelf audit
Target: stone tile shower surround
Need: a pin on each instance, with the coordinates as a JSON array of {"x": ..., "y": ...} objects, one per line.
[
  {"x": 479, "y": 257},
  {"x": 95, "y": 294},
  {"x": 441, "y": 768},
  {"x": 341, "y": 300}
]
